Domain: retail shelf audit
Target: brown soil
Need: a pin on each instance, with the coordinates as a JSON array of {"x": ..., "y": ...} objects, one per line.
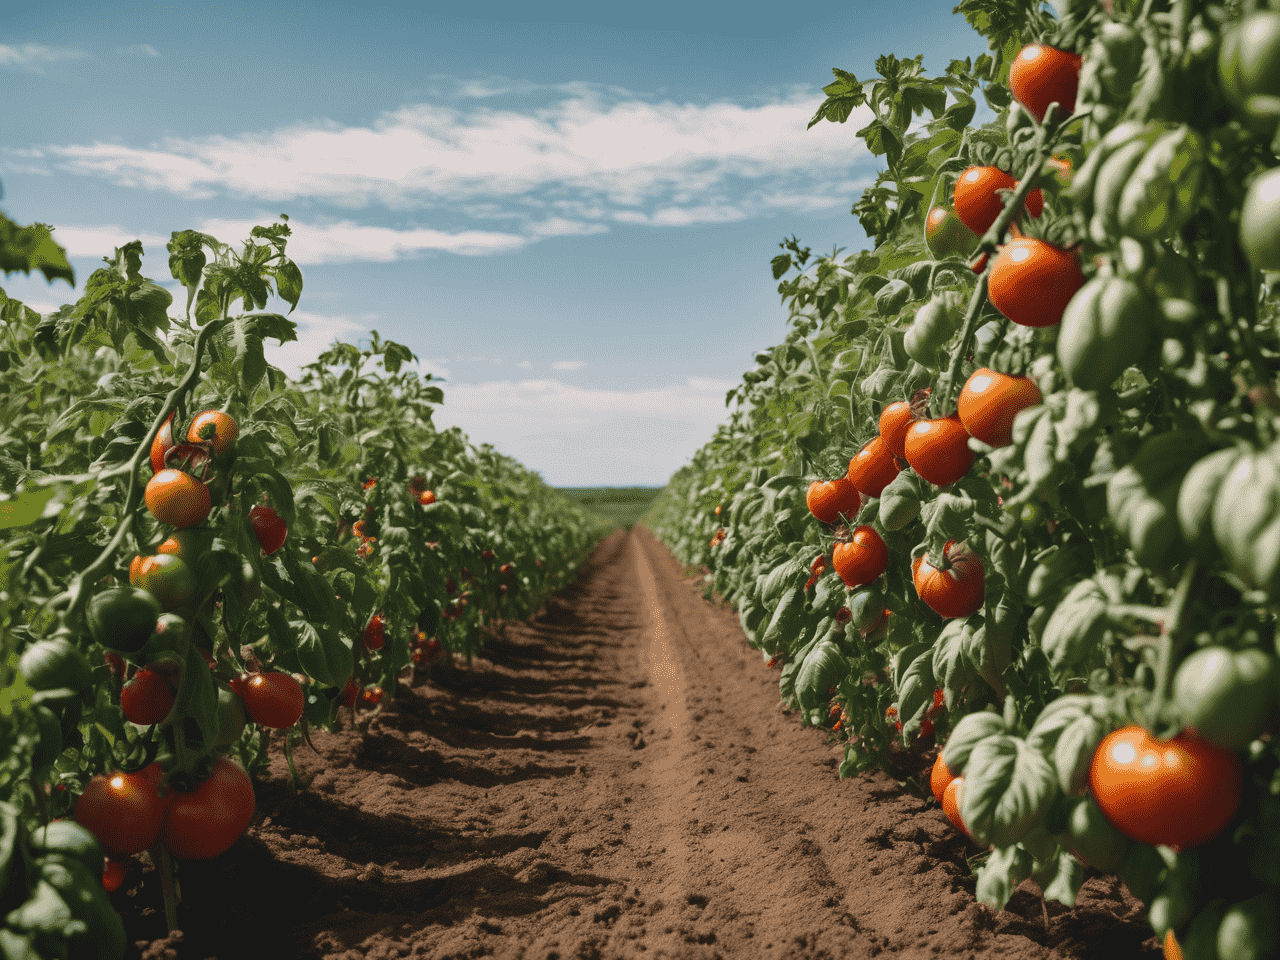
[{"x": 616, "y": 779}]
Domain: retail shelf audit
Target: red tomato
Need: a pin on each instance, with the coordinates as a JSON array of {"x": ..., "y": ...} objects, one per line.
[
  {"x": 269, "y": 528},
  {"x": 146, "y": 699},
  {"x": 989, "y": 402},
  {"x": 374, "y": 633},
  {"x": 239, "y": 682},
  {"x": 206, "y": 821},
  {"x": 1031, "y": 281},
  {"x": 122, "y": 810},
  {"x": 894, "y": 421},
  {"x": 177, "y": 498},
  {"x": 826, "y": 499},
  {"x": 161, "y": 444},
  {"x": 1041, "y": 75},
  {"x": 349, "y": 693},
  {"x": 940, "y": 778},
  {"x": 113, "y": 872},
  {"x": 957, "y": 591},
  {"x": 1179, "y": 793},
  {"x": 223, "y": 433},
  {"x": 938, "y": 450},
  {"x": 427, "y": 498},
  {"x": 872, "y": 467},
  {"x": 951, "y": 804},
  {"x": 273, "y": 700},
  {"x": 979, "y": 206},
  {"x": 862, "y": 559}
]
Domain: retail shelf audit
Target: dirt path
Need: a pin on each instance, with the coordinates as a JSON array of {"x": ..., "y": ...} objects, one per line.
[{"x": 616, "y": 779}]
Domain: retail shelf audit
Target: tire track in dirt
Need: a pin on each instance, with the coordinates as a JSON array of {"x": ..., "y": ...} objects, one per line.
[{"x": 615, "y": 778}]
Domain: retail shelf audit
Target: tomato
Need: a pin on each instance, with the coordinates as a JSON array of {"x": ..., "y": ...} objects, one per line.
[
  {"x": 1250, "y": 930},
  {"x": 427, "y": 498},
  {"x": 946, "y": 235},
  {"x": 219, "y": 427},
  {"x": 1171, "y": 949},
  {"x": 239, "y": 682},
  {"x": 989, "y": 402},
  {"x": 204, "y": 822},
  {"x": 1041, "y": 75},
  {"x": 177, "y": 498},
  {"x": 826, "y": 499},
  {"x": 1249, "y": 66},
  {"x": 872, "y": 467},
  {"x": 55, "y": 664},
  {"x": 374, "y": 633},
  {"x": 187, "y": 545},
  {"x": 1226, "y": 696},
  {"x": 1031, "y": 281},
  {"x": 123, "y": 810},
  {"x": 349, "y": 693},
  {"x": 894, "y": 421},
  {"x": 269, "y": 528},
  {"x": 1260, "y": 221},
  {"x": 122, "y": 618},
  {"x": 146, "y": 699},
  {"x": 932, "y": 329},
  {"x": 951, "y": 804},
  {"x": 372, "y": 695},
  {"x": 161, "y": 444},
  {"x": 1106, "y": 328},
  {"x": 940, "y": 778},
  {"x": 1179, "y": 793},
  {"x": 957, "y": 591},
  {"x": 938, "y": 450},
  {"x": 231, "y": 718},
  {"x": 273, "y": 700},
  {"x": 979, "y": 206},
  {"x": 861, "y": 560},
  {"x": 166, "y": 578},
  {"x": 113, "y": 873},
  {"x": 1093, "y": 837}
]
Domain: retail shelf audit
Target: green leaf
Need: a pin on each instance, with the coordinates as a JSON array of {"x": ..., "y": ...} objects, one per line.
[
  {"x": 971, "y": 730},
  {"x": 1007, "y": 789},
  {"x": 1000, "y": 875}
]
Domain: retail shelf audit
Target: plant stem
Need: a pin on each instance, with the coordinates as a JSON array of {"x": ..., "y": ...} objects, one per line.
[{"x": 169, "y": 886}]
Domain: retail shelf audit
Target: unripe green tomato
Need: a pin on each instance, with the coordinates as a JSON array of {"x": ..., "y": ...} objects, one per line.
[
  {"x": 54, "y": 664},
  {"x": 167, "y": 578},
  {"x": 946, "y": 236},
  {"x": 122, "y": 618},
  {"x": 1226, "y": 696},
  {"x": 1260, "y": 221},
  {"x": 1251, "y": 930},
  {"x": 1106, "y": 328},
  {"x": 231, "y": 717},
  {"x": 928, "y": 334},
  {"x": 1094, "y": 838},
  {"x": 1249, "y": 70}
]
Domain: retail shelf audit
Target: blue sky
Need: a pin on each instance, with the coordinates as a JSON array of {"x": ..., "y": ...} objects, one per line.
[{"x": 566, "y": 210}]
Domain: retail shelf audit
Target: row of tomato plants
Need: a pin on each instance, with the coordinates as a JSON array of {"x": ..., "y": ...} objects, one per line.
[
  {"x": 200, "y": 553},
  {"x": 1047, "y": 400}
]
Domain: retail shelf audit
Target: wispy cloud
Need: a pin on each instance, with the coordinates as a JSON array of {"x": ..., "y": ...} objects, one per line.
[
  {"x": 138, "y": 50},
  {"x": 568, "y": 365},
  {"x": 570, "y": 166},
  {"x": 35, "y": 56}
]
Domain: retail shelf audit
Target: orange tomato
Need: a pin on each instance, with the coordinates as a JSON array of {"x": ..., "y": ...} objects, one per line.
[
  {"x": 957, "y": 591},
  {"x": 1041, "y": 75},
  {"x": 862, "y": 559},
  {"x": 951, "y": 804},
  {"x": 894, "y": 421},
  {"x": 979, "y": 206},
  {"x": 938, "y": 450},
  {"x": 1031, "y": 281},
  {"x": 940, "y": 778},
  {"x": 225, "y": 430},
  {"x": 177, "y": 498},
  {"x": 827, "y": 499},
  {"x": 872, "y": 468},
  {"x": 989, "y": 402}
]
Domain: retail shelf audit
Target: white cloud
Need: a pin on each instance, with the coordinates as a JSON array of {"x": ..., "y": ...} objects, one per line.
[
  {"x": 578, "y": 436},
  {"x": 138, "y": 50},
  {"x": 525, "y": 365},
  {"x": 561, "y": 168},
  {"x": 568, "y": 365},
  {"x": 35, "y": 56}
]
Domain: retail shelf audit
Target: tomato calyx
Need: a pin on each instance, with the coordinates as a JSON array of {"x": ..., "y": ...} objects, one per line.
[{"x": 194, "y": 458}]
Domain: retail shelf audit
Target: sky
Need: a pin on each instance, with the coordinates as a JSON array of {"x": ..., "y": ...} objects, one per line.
[{"x": 566, "y": 210}]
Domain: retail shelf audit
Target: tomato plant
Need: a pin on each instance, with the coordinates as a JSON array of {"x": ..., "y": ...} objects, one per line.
[
  {"x": 204, "y": 822},
  {"x": 269, "y": 528}
]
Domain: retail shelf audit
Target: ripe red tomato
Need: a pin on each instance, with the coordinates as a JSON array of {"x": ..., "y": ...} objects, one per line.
[
  {"x": 957, "y": 591},
  {"x": 349, "y": 693},
  {"x": 239, "y": 682},
  {"x": 862, "y": 559},
  {"x": 894, "y": 421},
  {"x": 979, "y": 206},
  {"x": 371, "y": 695},
  {"x": 1179, "y": 793},
  {"x": 374, "y": 633},
  {"x": 826, "y": 499},
  {"x": 1031, "y": 281},
  {"x": 938, "y": 450},
  {"x": 161, "y": 444},
  {"x": 123, "y": 810},
  {"x": 940, "y": 778},
  {"x": 223, "y": 434},
  {"x": 204, "y": 822},
  {"x": 427, "y": 498},
  {"x": 113, "y": 873},
  {"x": 273, "y": 700},
  {"x": 177, "y": 498},
  {"x": 951, "y": 796},
  {"x": 946, "y": 235},
  {"x": 269, "y": 528},
  {"x": 872, "y": 468},
  {"x": 989, "y": 402},
  {"x": 1041, "y": 75},
  {"x": 146, "y": 699}
]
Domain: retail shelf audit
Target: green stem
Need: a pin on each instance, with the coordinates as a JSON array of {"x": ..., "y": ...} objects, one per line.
[{"x": 1173, "y": 638}]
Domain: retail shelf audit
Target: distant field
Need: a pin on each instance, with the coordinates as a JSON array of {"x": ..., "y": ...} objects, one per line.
[{"x": 619, "y": 505}]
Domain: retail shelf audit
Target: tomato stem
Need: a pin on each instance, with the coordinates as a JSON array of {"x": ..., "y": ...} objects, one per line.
[
  {"x": 1173, "y": 637},
  {"x": 168, "y": 885}
]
